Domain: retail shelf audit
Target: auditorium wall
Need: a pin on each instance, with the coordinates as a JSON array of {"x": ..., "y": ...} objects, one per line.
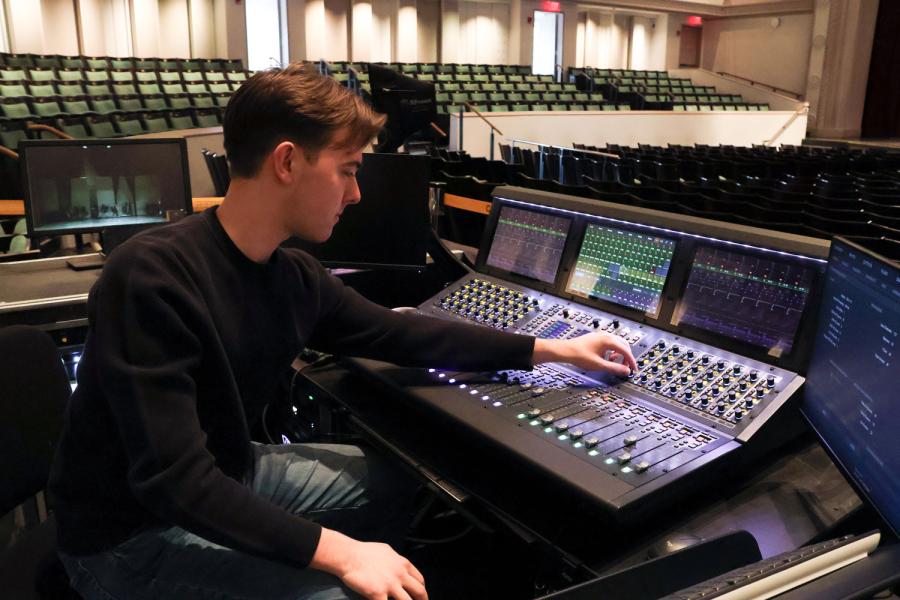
[{"x": 773, "y": 50}]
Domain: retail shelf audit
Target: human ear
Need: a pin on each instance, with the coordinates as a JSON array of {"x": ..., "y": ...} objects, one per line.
[{"x": 284, "y": 161}]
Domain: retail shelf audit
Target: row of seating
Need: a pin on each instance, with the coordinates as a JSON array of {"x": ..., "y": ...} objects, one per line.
[
  {"x": 820, "y": 216},
  {"x": 37, "y": 74},
  {"x": 25, "y": 106},
  {"x": 61, "y": 61},
  {"x": 117, "y": 124},
  {"x": 429, "y": 67}
]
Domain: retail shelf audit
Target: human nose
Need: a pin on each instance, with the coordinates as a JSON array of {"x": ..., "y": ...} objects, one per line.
[{"x": 352, "y": 194}]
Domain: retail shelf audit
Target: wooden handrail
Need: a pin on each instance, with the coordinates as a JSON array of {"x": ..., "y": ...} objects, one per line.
[
  {"x": 10, "y": 153},
  {"x": 52, "y": 130}
]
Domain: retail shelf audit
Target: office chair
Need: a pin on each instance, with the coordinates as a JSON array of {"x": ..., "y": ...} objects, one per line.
[{"x": 32, "y": 400}]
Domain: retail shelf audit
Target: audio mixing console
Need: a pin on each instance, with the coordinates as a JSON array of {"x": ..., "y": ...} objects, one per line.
[{"x": 714, "y": 320}]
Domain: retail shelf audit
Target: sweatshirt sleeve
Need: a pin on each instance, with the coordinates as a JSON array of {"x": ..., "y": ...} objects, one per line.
[
  {"x": 351, "y": 325},
  {"x": 150, "y": 324}
]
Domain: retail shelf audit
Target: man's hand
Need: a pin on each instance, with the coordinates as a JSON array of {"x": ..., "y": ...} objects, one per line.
[
  {"x": 592, "y": 352},
  {"x": 371, "y": 569}
]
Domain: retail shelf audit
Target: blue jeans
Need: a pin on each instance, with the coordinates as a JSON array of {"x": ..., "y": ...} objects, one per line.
[{"x": 338, "y": 486}]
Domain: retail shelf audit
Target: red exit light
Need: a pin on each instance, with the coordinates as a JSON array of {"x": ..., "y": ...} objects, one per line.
[
  {"x": 550, "y": 6},
  {"x": 695, "y": 21}
]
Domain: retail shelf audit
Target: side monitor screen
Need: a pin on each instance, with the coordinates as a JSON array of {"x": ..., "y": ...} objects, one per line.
[
  {"x": 528, "y": 243},
  {"x": 751, "y": 298},
  {"x": 625, "y": 267}
]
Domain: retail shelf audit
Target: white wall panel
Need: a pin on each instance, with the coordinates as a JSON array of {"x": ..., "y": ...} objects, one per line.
[
  {"x": 429, "y": 21},
  {"x": 26, "y": 29},
  {"x": 407, "y": 32},
  {"x": 203, "y": 29},
  {"x": 483, "y": 32},
  {"x": 641, "y": 36},
  {"x": 60, "y": 32},
  {"x": 146, "y": 28},
  {"x": 628, "y": 128},
  {"x": 337, "y": 26},
  {"x": 174, "y": 33},
  {"x": 384, "y": 13},
  {"x": 361, "y": 34}
]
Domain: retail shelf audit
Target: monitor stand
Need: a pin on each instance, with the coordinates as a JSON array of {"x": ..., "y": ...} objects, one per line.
[
  {"x": 86, "y": 262},
  {"x": 82, "y": 261}
]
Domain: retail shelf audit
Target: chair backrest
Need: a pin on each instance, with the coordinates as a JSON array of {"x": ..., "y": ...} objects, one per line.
[{"x": 33, "y": 397}]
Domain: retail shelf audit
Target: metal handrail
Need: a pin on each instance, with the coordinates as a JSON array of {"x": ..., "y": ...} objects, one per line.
[
  {"x": 766, "y": 85},
  {"x": 803, "y": 108}
]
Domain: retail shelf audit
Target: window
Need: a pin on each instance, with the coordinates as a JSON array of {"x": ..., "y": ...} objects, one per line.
[{"x": 267, "y": 43}]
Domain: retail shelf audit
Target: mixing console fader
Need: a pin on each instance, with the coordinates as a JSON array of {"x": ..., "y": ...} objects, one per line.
[{"x": 693, "y": 398}]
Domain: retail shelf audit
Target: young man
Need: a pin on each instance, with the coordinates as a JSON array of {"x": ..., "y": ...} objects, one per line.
[{"x": 157, "y": 488}]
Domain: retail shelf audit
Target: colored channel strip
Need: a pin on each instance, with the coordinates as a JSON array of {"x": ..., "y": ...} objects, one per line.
[
  {"x": 710, "y": 384},
  {"x": 488, "y": 303}
]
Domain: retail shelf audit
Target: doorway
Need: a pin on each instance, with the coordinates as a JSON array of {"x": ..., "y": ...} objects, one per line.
[
  {"x": 546, "y": 48},
  {"x": 689, "y": 52}
]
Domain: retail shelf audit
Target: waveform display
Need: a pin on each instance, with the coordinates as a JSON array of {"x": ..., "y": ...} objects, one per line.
[
  {"x": 529, "y": 243},
  {"x": 625, "y": 267},
  {"x": 745, "y": 297}
]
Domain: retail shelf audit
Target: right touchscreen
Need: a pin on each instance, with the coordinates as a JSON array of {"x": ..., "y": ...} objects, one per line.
[{"x": 754, "y": 298}]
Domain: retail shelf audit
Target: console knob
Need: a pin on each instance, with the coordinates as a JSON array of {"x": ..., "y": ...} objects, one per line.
[
  {"x": 760, "y": 392},
  {"x": 615, "y": 324},
  {"x": 690, "y": 354},
  {"x": 754, "y": 375},
  {"x": 684, "y": 378},
  {"x": 705, "y": 359},
  {"x": 748, "y": 402},
  {"x": 742, "y": 386},
  {"x": 566, "y": 313},
  {"x": 596, "y": 323},
  {"x": 661, "y": 344},
  {"x": 643, "y": 377},
  {"x": 676, "y": 349},
  {"x": 657, "y": 384},
  {"x": 736, "y": 369},
  {"x": 720, "y": 365},
  {"x": 688, "y": 394},
  {"x": 770, "y": 381},
  {"x": 699, "y": 385},
  {"x": 654, "y": 369},
  {"x": 720, "y": 407},
  {"x": 695, "y": 368},
  {"x": 704, "y": 400},
  {"x": 726, "y": 380},
  {"x": 534, "y": 301},
  {"x": 673, "y": 388},
  {"x": 732, "y": 395}
]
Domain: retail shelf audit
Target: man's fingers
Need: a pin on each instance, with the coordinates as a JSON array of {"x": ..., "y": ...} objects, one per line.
[
  {"x": 614, "y": 367},
  {"x": 415, "y": 573},
  {"x": 415, "y": 588},
  {"x": 398, "y": 593},
  {"x": 620, "y": 346}
]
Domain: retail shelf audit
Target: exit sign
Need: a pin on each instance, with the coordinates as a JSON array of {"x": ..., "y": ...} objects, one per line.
[{"x": 550, "y": 6}]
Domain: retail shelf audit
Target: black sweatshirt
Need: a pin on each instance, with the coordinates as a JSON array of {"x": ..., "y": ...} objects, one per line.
[{"x": 186, "y": 335}]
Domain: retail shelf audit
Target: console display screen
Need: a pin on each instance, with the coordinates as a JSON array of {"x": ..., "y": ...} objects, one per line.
[{"x": 529, "y": 243}]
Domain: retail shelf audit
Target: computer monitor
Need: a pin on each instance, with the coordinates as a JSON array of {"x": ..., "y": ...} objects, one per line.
[
  {"x": 410, "y": 105},
  {"x": 528, "y": 243},
  {"x": 851, "y": 397},
  {"x": 389, "y": 227},
  {"x": 626, "y": 267},
  {"x": 754, "y": 297},
  {"x": 86, "y": 186}
]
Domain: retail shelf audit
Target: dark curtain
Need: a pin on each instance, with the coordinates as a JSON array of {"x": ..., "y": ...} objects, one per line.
[{"x": 881, "y": 118}]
